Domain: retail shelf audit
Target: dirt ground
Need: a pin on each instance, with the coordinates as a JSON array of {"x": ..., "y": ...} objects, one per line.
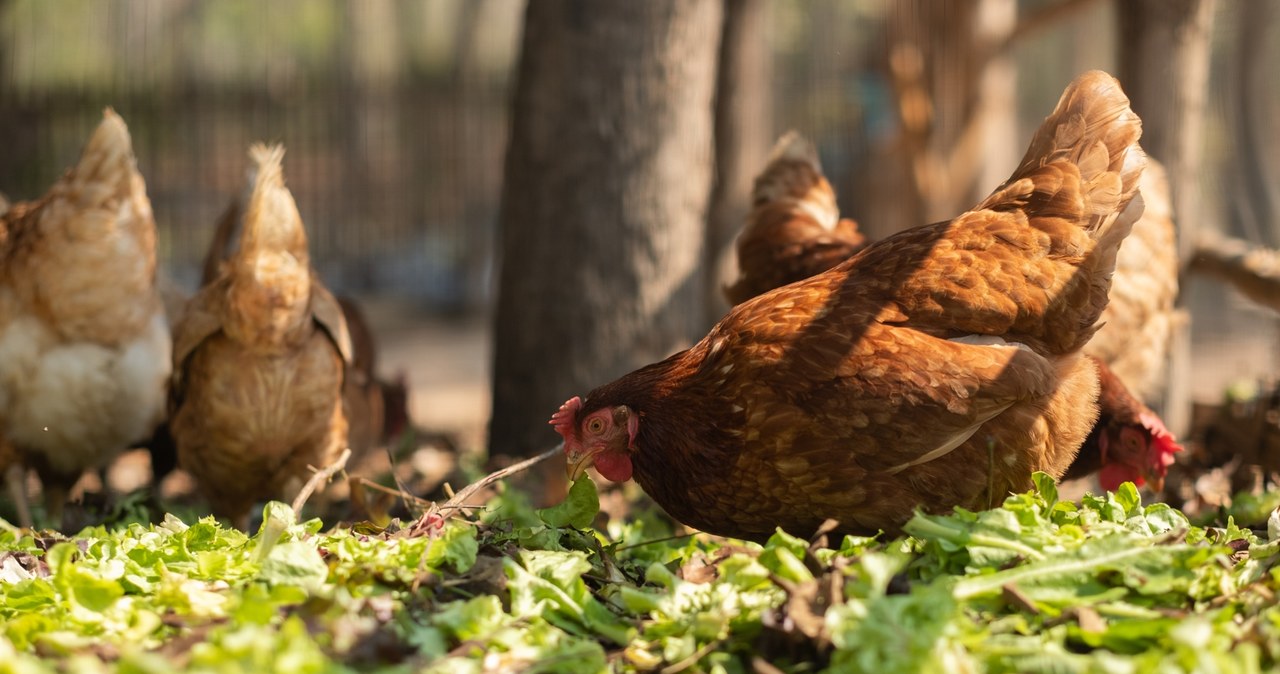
[{"x": 446, "y": 361}]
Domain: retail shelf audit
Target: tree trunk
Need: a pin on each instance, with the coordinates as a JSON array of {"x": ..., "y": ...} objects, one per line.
[
  {"x": 742, "y": 127},
  {"x": 1164, "y": 68},
  {"x": 608, "y": 174},
  {"x": 1254, "y": 203}
]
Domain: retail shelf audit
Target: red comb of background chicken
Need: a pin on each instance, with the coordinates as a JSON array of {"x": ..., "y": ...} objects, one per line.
[
  {"x": 1165, "y": 445},
  {"x": 1160, "y": 456}
]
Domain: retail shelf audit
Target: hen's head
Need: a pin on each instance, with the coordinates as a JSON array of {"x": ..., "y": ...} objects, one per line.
[
  {"x": 1136, "y": 453},
  {"x": 605, "y": 438}
]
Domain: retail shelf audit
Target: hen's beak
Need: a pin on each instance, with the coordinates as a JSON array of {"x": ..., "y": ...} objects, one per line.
[
  {"x": 578, "y": 461},
  {"x": 1155, "y": 483}
]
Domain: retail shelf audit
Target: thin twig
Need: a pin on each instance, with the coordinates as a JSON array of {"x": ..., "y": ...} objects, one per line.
[
  {"x": 366, "y": 482},
  {"x": 467, "y": 491},
  {"x": 654, "y": 540},
  {"x": 319, "y": 478},
  {"x": 434, "y": 515}
]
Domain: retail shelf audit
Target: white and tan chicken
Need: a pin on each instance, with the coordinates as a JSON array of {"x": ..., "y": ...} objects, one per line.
[{"x": 84, "y": 343}]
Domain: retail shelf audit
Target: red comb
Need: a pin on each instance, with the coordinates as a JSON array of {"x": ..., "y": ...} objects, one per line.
[
  {"x": 564, "y": 418},
  {"x": 1165, "y": 443}
]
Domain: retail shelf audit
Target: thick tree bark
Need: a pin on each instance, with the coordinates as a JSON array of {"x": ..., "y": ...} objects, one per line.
[
  {"x": 743, "y": 124},
  {"x": 608, "y": 174},
  {"x": 1164, "y": 68}
]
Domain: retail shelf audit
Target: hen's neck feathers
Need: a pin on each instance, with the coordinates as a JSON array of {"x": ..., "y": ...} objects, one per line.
[
  {"x": 1116, "y": 407},
  {"x": 1115, "y": 402}
]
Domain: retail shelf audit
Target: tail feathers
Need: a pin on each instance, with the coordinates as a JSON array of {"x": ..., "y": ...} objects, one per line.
[
  {"x": 792, "y": 146},
  {"x": 107, "y": 166},
  {"x": 794, "y": 229},
  {"x": 792, "y": 182},
  {"x": 1084, "y": 163},
  {"x": 271, "y": 219},
  {"x": 226, "y": 235}
]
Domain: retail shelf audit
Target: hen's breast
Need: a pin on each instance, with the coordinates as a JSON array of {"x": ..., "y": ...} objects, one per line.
[
  {"x": 79, "y": 403},
  {"x": 249, "y": 421}
]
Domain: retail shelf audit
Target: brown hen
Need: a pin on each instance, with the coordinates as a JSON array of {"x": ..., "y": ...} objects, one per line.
[
  {"x": 259, "y": 358},
  {"x": 791, "y": 189},
  {"x": 376, "y": 409},
  {"x": 938, "y": 367},
  {"x": 84, "y": 343}
]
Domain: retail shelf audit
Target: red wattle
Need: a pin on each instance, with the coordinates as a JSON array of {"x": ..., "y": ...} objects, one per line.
[{"x": 614, "y": 466}]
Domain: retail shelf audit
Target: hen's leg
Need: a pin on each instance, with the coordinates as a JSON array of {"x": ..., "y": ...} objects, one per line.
[
  {"x": 55, "y": 501},
  {"x": 16, "y": 480}
]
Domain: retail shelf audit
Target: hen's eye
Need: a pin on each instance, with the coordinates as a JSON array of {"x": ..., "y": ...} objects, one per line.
[{"x": 595, "y": 425}]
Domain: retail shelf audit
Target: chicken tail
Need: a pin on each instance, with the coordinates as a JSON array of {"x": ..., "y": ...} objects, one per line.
[
  {"x": 1093, "y": 130},
  {"x": 1081, "y": 172},
  {"x": 107, "y": 168},
  {"x": 793, "y": 182},
  {"x": 794, "y": 229},
  {"x": 227, "y": 232},
  {"x": 271, "y": 219},
  {"x": 271, "y": 292}
]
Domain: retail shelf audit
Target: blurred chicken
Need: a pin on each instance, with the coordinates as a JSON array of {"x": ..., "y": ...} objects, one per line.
[
  {"x": 84, "y": 343},
  {"x": 361, "y": 392},
  {"x": 1128, "y": 443},
  {"x": 1140, "y": 319},
  {"x": 259, "y": 361},
  {"x": 377, "y": 409},
  {"x": 794, "y": 229}
]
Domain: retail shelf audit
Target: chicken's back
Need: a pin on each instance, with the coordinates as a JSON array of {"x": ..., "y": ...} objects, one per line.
[
  {"x": 1033, "y": 262},
  {"x": 84, "y": 256}
]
